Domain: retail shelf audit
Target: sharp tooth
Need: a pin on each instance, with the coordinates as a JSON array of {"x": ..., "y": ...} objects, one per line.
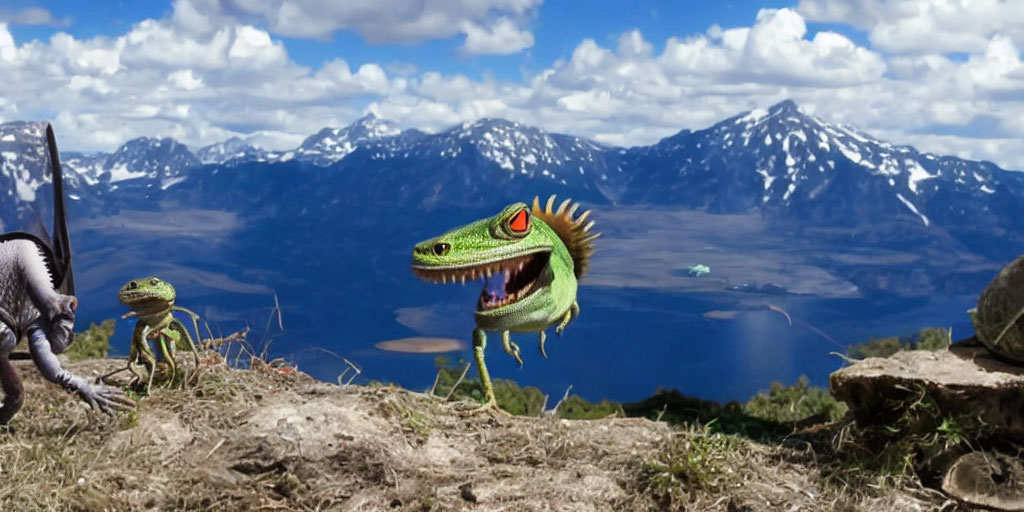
[
  {"x": 521, "y": 266},
  {"x": 444, "y": 279},
  {"x": 506, "y": 275},
  {"x": 463, "y": 279},
  {"x": 489, "y": 272}
]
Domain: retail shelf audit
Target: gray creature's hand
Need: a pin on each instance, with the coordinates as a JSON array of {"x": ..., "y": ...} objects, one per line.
[{"x": 107, "y": 400}]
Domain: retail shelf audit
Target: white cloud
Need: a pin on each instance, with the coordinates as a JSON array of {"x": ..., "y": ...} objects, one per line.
[
  {"x": 924, "y": 26},
  {"x": 503, "y": 37},
  {"x": 202, "y": 80},
  {"x": 185, "y": 79},
  {"x": 490, "y": 26},
  {"x": 33, "y": 16}
]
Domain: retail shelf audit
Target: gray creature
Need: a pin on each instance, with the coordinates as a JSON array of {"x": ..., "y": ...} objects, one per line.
[{"x": 37, "y": 293}]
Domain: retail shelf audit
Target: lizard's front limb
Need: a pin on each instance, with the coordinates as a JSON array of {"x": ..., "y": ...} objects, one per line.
[
  {"x": 106, "y": 399},
  {"x": 510, "y": 346}
]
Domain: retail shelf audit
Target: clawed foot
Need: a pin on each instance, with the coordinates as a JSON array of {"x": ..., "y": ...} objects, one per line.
[
  {"x": 473, "y": 409},
  {"x": 107, "y": 400},
  {"x": 511, "y": 348}
]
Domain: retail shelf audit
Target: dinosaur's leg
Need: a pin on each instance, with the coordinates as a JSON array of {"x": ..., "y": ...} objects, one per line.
[
  {"x": 140, "y": 344},
  {"x": 543, "y": 338},
  {"x": 166, "y": 343},
  {"x": 180, "y": 328},
  {"x": 491, "y": 402},
  {"x": 195, "y": 323},
  {"x": 12, "y": 390},
  {"x": 510, "y": 346},
  {"x": 9, "y": 381}
]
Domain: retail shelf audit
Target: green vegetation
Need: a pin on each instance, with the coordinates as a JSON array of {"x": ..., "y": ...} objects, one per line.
[
  {"x": 768, "y": 416},
  {"x": 94, "y": 342},
  {"x": 795, "y": 403},
  {"x": 520, "y": 401},
  {"x": 696, "y": 460},
  {"x": 928, "y": 338},
  {"x": 910, "y": 437}
]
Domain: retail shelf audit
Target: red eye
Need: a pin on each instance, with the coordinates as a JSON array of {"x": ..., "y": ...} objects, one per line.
[{"x": 520, "y": 222}]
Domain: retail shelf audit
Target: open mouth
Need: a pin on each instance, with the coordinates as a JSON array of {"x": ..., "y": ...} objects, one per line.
[{"x": 505, "y": 281}]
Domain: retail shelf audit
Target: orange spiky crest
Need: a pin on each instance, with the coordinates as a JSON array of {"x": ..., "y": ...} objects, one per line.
[{"x": 574, "y": 232}]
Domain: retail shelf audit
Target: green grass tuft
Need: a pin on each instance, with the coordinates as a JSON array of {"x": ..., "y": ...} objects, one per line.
[
  {"x": 928, "y": 338},
  {"x": 795, "y": 403},
  {"x": 92, "y": 343}
]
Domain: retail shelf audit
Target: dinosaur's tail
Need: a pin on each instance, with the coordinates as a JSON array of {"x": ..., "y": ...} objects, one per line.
[{"x": 574, "y": 232}]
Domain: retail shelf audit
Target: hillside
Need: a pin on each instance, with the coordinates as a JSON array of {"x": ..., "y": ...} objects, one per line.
[{"x": 248, "y": 439}]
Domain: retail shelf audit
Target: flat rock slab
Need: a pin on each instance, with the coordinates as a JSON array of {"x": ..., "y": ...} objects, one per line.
[{"x": 963, "y": 379}]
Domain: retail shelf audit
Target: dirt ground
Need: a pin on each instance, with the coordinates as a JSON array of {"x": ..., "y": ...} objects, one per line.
[{"x": 259, "y": 440}]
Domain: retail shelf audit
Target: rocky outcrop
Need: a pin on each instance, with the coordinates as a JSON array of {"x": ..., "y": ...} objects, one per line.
[
  {"x": 964, "y": 393},
  {"x": 963, "y": 379}
]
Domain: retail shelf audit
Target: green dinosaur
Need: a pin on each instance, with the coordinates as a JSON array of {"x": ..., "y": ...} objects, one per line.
[
  {"x": 530, "y": 260},
  {"x": 152, "y": 302}
]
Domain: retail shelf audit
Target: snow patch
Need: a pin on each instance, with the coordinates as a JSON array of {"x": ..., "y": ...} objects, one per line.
[
  {"x": 789, "y": 191},
  {"x": 913, "y": 208},
  {"x": 753, "y": 117},
  {"x": 120, "y": 172},
  {"x": 917, "y": 173},
  {"x": 768, "y": 179},
  {"x": 170, "y": 182},
  {"x": 850, "y": 154}
]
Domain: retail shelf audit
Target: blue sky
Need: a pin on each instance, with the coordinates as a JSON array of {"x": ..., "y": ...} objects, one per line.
[
  {"x": 602, "y": 20},
  {"x": 947, "y": 77}
]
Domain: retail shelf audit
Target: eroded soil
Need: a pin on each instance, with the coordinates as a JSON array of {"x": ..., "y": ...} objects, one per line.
[{"x": 259, "y": 440}]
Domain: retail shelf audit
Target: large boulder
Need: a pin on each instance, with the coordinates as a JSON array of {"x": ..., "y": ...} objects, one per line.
[
  {"x": 964, "y": 379},
  {"x": 966, "y": 385},
  {"x": 999, "y": 318}
]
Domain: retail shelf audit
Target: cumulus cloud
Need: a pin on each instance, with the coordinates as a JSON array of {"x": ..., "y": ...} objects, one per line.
[
  {"x": 924, "y": 26},
  {"x": 158, "y": 80},
  {"x": 503, "y": 37},
  {"x": 202, "y": 80},
  {"x": 490, "y": 26}
]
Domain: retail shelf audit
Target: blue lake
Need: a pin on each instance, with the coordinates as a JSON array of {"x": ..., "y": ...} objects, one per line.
[{"x": 644, "y": 322}]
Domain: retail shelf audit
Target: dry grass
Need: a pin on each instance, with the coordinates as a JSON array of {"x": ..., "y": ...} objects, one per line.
[{"x": 263, "y": 439}]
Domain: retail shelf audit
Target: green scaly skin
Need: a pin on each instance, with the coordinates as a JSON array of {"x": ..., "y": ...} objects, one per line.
[
  {"x": 152, "y": 302},
  {"x": 489, "y": 246}
]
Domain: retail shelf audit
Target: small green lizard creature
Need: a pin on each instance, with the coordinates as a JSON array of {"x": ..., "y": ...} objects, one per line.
[
  {"x": 152, "y": 302},
  {"x": 530, "y": 260}
]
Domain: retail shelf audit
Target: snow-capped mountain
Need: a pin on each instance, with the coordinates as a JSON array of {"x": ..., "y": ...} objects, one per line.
[
  {"x": 160, "y": 162},
  {"x": 330, "y": 145},
  {"x": 233, "y": 150},
  {"x": 22, "y": 151},
  {"x": 780, "y": 161},
  {"x": 523, "y": 150},
  {"x": 794, "y": 166}
]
